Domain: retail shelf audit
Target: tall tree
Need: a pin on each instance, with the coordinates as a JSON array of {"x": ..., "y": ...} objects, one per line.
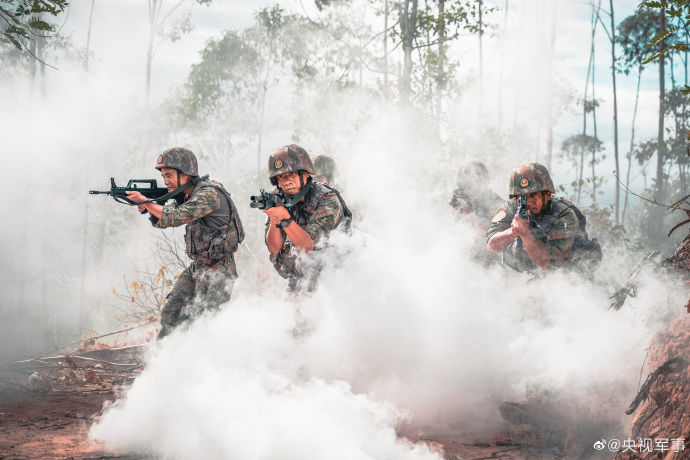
[
  {"x": 633, "y": 35},
  {"x": 88, "y": 37},
  {"x": 615, "y": 107},
  {"x": 166, "y": 24},
  {"x": 408, "y": 34}
]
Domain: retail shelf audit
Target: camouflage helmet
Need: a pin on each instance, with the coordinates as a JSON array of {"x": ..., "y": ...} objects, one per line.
[
  {"x": 286, "y": 159},
  {"x": 178, "y": 158},
  {"x": 325, "y": 166},
  {"x": 530, "y": 178},
  {"x": 474, "y": 171}
]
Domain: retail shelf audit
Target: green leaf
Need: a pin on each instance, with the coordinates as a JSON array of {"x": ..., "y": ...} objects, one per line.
[
  {"x": 656, "y": 56},
  {"x": 40, "y": 25},
  {"x": 662, "y": 35}
]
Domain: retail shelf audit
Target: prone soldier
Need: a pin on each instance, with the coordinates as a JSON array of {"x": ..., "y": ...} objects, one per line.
[{"x": 213, "y": 233}]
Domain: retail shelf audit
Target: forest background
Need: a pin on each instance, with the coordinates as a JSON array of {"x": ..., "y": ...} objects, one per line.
[{"x": 95, "y": 89}]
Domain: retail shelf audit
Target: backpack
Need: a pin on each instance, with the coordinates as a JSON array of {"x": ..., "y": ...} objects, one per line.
[{"x": 586, "y": 252}]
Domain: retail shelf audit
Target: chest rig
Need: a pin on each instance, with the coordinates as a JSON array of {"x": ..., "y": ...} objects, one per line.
[
  {"x": 285, "y": 262},
  {"x": 212, "y": 243}
]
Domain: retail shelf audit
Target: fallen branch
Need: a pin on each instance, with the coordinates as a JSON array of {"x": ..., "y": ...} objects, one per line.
[{"x": 643, "y": 394}]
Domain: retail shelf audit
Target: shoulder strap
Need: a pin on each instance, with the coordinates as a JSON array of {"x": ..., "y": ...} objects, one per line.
[
  {"x": 346, "y": 211},
  {"x": 581, "y": 219}
]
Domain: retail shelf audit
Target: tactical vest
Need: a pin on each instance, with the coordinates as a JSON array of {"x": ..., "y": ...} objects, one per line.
[
  {"x": 207, "y": 243},
  {"x": 585, "y": 253},
  {"x": 285, "y": 262}
]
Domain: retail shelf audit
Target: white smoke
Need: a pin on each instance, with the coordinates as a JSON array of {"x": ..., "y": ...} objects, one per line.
[{"x": 404, "y": 327}]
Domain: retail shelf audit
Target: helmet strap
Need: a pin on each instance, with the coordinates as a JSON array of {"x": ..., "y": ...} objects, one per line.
[{"x": 294, "y": 199}]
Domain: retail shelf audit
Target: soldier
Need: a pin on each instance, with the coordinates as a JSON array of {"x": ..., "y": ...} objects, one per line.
[
  {"x": 213, "y": 233},
  {"x": 313, "y": 211},
  {"x": 472, "y": 198},
  {"x": 547, "y": 237},
  {"x": 325, "y": 170}
]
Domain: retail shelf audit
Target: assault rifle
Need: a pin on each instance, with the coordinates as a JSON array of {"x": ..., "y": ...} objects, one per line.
[
  {"x": 265, "y": 200},
  {"x": 153, "y": 193},
  {"x": 522, "y": 208}
]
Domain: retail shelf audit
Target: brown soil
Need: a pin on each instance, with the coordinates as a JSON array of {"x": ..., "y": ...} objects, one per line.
[{"x": 47, "y": 405}]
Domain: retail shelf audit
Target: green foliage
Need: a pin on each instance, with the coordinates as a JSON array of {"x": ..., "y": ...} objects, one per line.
[
  {"x": 23, "y": 20},
  {"x": 677, "y": 14},
  {"x": 633, "y": 34}
]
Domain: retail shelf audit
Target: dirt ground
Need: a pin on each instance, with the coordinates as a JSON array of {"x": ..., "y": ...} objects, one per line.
[{"x": 47, "y": 406}]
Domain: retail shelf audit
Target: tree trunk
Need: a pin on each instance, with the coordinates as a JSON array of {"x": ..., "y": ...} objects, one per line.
[
  {"x": 660, "y": 139},
  {"x": 408, "y": 25},
  {"x": 552, "y": 47},
  {"x": 440, "y": 86},
  {"x": 481, "y": 64},
  {"x": 385, "y": 50},
  {"x": 594, "y": 129},
  {"x": 153, "y": 13},
  {"x": 261, "y": 128},
  {"x": 88, "y": 36},
  {"x": 500, "y": 71},
  {"x": 580, "y": 178},
  {"x": 632, "y": 144},
  {"x": 615, "y": 108}
]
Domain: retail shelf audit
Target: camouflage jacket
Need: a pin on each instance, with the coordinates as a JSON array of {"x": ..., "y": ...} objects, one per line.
[
  {"x": 320, "y": 212},
  {"x": 214, "y": 229},
  {"x": 556, "y": 228},
  {"x": 483, "y": 205}
]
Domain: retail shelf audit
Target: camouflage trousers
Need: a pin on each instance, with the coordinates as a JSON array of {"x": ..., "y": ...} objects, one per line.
[{"x": 200, "y": 287}]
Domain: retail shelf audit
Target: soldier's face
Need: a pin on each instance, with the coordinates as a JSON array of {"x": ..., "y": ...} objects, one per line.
[
  {"x": 290, "y": 182},
  {"x": 535, "y": 202},
  {"x": 170, "y": 178}
]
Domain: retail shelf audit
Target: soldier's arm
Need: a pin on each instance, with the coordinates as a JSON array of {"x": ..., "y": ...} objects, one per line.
[
  {"x": 536, "y": 250},
  {"x": 299, "y": 238},
  {"x": 326, "y": 216},
  {"x": 274, "y": 237},
  {"x": 500, "y": 233},
  {"x": 202, "y": 203}
]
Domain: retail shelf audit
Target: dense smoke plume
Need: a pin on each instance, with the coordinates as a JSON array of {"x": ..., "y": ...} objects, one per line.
[{"x": 406, "y": 332}]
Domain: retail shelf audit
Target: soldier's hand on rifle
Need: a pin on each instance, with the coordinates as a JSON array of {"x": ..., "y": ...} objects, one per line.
[
  {"x": 277, "y": 213},
  {"x": 520, "y": 226},
  {"x": 137, "y": 197}
]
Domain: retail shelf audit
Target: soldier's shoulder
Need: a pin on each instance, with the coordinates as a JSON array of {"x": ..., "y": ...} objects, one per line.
[
  {"x": 324, "y": 192},
  {"x": 562, "y": 208},
  {"x": 564, "y": 213}
]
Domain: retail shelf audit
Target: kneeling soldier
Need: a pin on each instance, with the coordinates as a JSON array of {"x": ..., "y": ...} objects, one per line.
[{"x": 542, "y": 235}]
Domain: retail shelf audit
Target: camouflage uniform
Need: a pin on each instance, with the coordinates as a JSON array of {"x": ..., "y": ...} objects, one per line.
[
  {"x": 325, "y": 167},
  {"x": 472, "y": 193},
  {"x": 556, "y": 226},
  {"x": 321, "y": 211},
  {"x": 213, "y": 233}
]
